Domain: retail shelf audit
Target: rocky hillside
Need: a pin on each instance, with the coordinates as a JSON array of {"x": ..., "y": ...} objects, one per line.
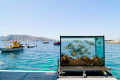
[{"x": 23, "y": 38}]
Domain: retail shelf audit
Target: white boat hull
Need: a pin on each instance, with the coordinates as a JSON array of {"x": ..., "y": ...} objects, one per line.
[{"x": 12, "y": 49}]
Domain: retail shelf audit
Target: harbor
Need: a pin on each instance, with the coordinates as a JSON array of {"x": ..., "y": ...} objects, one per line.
[
  {"x": 59, "y": 40},
  {"x": 40, "y": 59}
]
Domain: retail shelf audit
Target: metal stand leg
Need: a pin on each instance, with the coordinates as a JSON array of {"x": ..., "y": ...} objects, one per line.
[
  {"x": 105, "y": 74},
  {"x": 84, "y": 75},
  {"x": 61, "y": 73}
]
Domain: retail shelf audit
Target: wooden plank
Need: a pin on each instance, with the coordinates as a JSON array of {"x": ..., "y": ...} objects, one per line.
[
  {"x": 87, "y": 78},
  {"x": 84, "y": 68},
  {"x": 27, "y": 75}
]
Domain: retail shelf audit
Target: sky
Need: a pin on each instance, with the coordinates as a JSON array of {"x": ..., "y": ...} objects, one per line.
[{"x": 52, "y": 18}]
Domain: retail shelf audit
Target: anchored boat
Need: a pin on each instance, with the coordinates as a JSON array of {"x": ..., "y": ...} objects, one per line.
[
  {"x": 31, "y": 46},
  {"x": 57, "y": 43},
  {"x": 45, "y": 42},
  {"x": 12, "y": 46}
]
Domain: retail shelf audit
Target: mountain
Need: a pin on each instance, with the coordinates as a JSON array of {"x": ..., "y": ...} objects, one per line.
[{"x": 24, "y": 38}]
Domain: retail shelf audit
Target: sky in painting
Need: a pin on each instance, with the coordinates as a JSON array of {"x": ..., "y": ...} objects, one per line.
[{"x": 52, "y": 18}]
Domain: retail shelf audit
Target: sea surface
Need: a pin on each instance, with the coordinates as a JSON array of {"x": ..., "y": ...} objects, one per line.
[{"x": 44, "y": 58}]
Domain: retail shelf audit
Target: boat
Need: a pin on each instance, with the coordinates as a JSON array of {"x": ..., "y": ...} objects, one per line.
[
  {"x": 56, "y": 43},
  {"x": 31, "y": 46},
  {"x": 46, "y": 42},
  {"x": 13, "y": 46},
  {"x": 10, "y": 49}
]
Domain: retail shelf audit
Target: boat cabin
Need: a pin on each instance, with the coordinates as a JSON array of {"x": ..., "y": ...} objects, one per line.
[{"x": 11, "y": 44}]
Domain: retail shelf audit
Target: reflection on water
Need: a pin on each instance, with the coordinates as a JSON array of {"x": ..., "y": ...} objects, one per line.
[
  {"x": 9, "y": 59},
  {"x": 14, "y": 52},
  {"x": 13, "y": 55}
]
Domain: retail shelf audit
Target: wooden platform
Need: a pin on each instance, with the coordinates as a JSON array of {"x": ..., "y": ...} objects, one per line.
[
  {"x": 86, "y": 78},
  {"x": 84, "y": 68},
  {"x": 40, "y": 75},
  {"x": 27, "y": 75}
]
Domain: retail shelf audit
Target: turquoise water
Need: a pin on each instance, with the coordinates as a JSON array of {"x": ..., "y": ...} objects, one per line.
[
  {"x": 112, "y": 59},
  {"x": 44, "y": 58},
  {"x": 41, "y": 58}
]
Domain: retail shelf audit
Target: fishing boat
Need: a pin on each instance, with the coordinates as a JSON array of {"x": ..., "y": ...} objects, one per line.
[
  {"x": 56, "y": 43},
  {"x": 46, "y": 42},
  {"x": 12, "y": 46}
]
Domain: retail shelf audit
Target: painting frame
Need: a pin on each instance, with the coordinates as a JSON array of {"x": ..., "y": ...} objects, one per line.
[{"x": 83, "y": 37}]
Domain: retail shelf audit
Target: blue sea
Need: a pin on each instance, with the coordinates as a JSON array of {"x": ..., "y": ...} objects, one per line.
[{"x": 44, "y": 58}]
